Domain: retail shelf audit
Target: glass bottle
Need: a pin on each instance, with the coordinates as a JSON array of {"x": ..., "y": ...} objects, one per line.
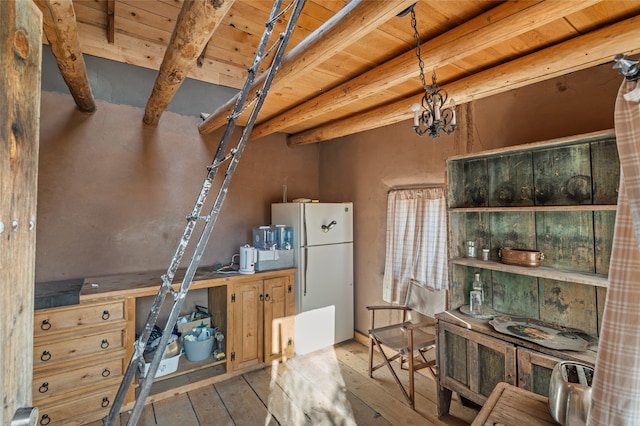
[{"x": 476, "y": 297}]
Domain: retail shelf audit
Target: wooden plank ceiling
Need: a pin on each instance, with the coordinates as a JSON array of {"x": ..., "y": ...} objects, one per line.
[{"x": 351, "y": 65}]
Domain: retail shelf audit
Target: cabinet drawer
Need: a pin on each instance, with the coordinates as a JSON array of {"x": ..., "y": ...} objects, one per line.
[
  {"x": 97, "y": 403},
  {"x": 52, "y": 352},
  {"x": 100, "y": 374},
  {"x": 49, "y": 321}
]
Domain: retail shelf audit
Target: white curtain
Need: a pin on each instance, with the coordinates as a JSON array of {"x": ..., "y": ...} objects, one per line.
[
  {"x": 416, "y": 242},
  {"x": 616, "y": 384}
]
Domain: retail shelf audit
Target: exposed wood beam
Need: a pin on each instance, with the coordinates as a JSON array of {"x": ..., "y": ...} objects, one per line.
[
  {"x": 491, "y": 28},
  {"x": 582, "y": 52},
  {"x": 111, "y": 21},
  {"x": 354, "y": 21},
  {"x": 196, "y": 23},
  {"x": 60, "y": 27}
]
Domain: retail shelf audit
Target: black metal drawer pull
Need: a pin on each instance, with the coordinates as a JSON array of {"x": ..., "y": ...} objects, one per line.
[
  {"x": 44, "y": 387},
  {"x": 105, "y": 402},
  {"x": 104, "y": 344},
  {"x": 46, "y": 356},
  {"x": 105, "y": 315},
  {"x": 106, "y": 372},
  {"x": 45, "y": 419},
  {"x": 45, "y": 324}
]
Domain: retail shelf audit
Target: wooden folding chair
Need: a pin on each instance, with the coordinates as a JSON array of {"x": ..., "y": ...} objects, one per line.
[{"x": 394, "y": 340}]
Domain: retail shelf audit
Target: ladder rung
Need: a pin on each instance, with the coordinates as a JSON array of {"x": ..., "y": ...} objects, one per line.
[{"x": 193, "y": 217}]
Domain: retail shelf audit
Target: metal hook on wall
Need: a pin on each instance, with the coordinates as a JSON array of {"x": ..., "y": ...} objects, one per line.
[{"x": 628, "y": 67}]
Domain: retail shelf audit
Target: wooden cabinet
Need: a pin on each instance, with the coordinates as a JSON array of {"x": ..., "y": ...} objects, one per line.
[
  {"x": 80, "y": 354},
  {"x": 473, "y": 358},
  {"x": 534, "y": 370},
  {"x": 479, "y": 364},
  {"x": 558, "y": 197},
  {"x": 262, "y": 325},
  {"x": 81, "y": 351}
]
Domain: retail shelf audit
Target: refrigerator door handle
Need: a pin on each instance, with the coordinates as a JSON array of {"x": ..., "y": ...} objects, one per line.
[{"x": 306, "y": 267}]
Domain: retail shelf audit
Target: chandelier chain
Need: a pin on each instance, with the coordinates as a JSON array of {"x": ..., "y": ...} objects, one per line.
[{"x": 416, "y": 36}]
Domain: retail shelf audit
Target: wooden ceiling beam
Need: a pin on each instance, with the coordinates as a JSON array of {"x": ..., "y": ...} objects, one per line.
[
  {"x": 196, "y": 23},
  {"x": 501, "y": 23},
  {"x": 595, "y": 48},
  {"x": 354, "y": 21},
  {"x": 111, "y": 21},
  {"x": 60, "y": 27}
]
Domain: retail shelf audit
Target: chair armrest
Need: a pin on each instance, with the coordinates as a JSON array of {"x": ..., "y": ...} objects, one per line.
[
  {"x": 421, "y": 324},
  {"x": 377, "y": 307}
]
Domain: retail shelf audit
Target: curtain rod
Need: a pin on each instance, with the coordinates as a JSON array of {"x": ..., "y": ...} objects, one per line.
[{"x": 421, "y": 186}]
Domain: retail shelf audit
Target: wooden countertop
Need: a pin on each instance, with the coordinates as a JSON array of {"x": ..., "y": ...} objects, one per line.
[
  {"x": 456, "y": 317},
  {"x": 147, "y": 283},
  {"x": 513, "y": 406}
]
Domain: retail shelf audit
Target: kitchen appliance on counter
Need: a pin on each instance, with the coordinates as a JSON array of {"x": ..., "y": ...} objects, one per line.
[
  {"x": 570, "y": 392},
  {"x": 323, "y": 253},
  {"x": 248, "y": 259}
]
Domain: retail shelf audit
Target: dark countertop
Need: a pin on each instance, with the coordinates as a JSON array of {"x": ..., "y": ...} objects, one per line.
[{"x": 52, "y": 294}]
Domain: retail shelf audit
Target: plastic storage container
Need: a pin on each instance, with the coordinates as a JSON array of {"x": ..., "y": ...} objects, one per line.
[
  {"x": 284, "y": 236},
  {"x": 264, "y": 238},
  {"x": 198, "y": 343}
]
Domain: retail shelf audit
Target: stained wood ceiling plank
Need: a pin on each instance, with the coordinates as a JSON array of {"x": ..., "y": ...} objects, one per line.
[
  {"x": 142, "y": 31},
  {"x": 491, "y": 28},
  {"x": 149, "y": 55},
  {"x": 168, "y": 10},
  {"x": 529, "y": 42},
  {"x": 603, "y": 13},
  {"x": 196, "y": 24},
  {"x": 582, "y": 52},
  {"x": 60, "y": 27},
  {"x": 86, "y": 13},
  {"x": 131, "y": 12},
  {"x": 349, "y": 25}
]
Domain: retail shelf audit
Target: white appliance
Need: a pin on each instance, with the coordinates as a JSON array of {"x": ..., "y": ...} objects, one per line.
[
  {"x": 323, "y": 254},
  {"x": 248, "y": 259}
]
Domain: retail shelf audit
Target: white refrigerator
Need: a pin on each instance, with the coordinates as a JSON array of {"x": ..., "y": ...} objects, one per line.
[{"x": 323, "y": 254}]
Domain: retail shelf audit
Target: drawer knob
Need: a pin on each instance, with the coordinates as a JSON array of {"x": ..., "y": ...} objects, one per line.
[
  {"x": 104, "y": 344},
  {"x": 105, "y": 315},
  {"x": 106, "y": 372},
  {"x": 105, "y": 402},
  {"x": 267, "y": 297},
  {"x": 44, "y": 387},
  {"x": 45, "y": 324},
  {"x": 45, "y": 419},
  {"x": 46, "y": 356}
]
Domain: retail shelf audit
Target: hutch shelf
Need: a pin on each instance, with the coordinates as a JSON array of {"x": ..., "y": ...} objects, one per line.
[{"x": 558, "y": 197}]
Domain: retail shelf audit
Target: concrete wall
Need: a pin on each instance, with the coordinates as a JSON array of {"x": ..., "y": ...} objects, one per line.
[{"x": 365, "y": 166}]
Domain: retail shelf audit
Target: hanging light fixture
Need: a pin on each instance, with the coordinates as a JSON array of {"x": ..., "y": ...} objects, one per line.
[{"x": 435, "y": 114}]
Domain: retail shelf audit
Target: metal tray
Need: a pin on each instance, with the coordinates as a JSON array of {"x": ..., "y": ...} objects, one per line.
[{"x": 520, "y": 257}]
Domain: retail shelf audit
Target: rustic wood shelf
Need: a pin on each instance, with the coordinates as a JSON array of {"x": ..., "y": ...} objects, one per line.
[{"x": 597, "y": 280}]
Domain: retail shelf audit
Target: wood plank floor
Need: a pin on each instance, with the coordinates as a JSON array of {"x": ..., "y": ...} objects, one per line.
[{"x": 328, "y": 387}]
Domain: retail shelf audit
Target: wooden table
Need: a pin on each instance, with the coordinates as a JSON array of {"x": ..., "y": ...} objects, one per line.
[{"x": 513, "y": 406}]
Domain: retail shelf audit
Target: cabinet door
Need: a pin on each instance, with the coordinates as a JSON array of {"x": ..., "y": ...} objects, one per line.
[
  {"x": 534, "y": 370},
  {"x": 472, "y": 364},
  {"x": 246, "y": 329},
  {"x": 278, "y": 318}
]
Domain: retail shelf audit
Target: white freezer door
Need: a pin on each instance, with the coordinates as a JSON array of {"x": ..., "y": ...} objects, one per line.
[
  {"x": 327, "y": 223},
  {"x": 326, "y": 315}
]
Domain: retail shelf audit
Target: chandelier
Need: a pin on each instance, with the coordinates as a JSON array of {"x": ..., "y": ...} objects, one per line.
[{"x": 435, "y": 114}]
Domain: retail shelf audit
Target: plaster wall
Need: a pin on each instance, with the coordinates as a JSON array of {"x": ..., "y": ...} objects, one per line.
[
  {"x": 365, "y": 166},
  {"x": 113, "y": 193}
]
